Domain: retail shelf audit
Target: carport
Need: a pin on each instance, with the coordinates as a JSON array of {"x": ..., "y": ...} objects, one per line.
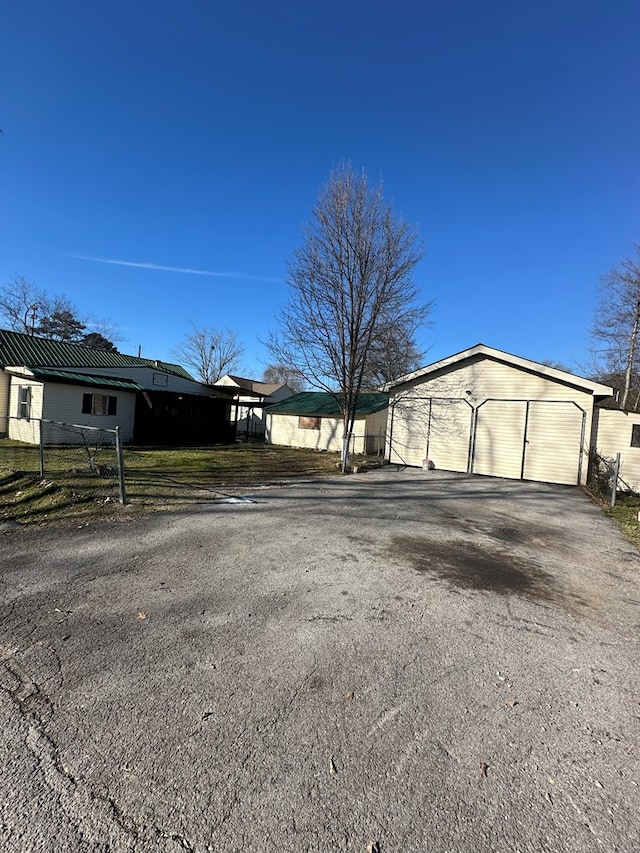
[{"x": 484, "y": 411}]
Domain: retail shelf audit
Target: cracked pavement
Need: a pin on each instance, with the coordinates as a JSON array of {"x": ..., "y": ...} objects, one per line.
[{"x": 417, "y": 660}]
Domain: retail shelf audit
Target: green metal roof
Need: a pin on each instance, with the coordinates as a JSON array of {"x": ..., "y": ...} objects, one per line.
[
  {"x": 322, "y": 404},
  {"x": 91, "y": 379},
  {"x": 30, "y": 351}
]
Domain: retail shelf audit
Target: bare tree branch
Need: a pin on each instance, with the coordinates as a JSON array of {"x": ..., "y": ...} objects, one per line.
[
  {"x": 210, "y": 352},
  {"x": 274, "y": 373},
  {"x": 28, "y": 309},
  {"x": 351, "y": 293},
  {"x": 22, "y": 304},
  {"x": 617, "y": 324}
]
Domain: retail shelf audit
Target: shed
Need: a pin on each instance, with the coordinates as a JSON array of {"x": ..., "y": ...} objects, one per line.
[
  {"x": 484, "y": 411},
  {"x": 313, "y": 419}
]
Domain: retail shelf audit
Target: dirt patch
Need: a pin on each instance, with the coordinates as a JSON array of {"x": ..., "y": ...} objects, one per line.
[{"x": 468, "y": 566}]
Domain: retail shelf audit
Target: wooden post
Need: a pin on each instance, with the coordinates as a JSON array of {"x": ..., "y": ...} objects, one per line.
[
  {"x": 614, "y": 487},
  {"x": 123, "y": 493}
]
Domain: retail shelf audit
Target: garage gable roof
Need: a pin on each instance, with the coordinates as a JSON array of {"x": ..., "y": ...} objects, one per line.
[{"x": 595, "y": 388}]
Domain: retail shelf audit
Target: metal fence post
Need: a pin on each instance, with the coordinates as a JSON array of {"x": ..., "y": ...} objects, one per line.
[
  {"x": 123, "y": 494},
  {"x": 41, "y": 452},
  {"x": 614, "y": 487}
]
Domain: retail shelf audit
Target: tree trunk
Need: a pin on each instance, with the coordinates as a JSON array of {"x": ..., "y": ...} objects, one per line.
[
  {"x": 344, "y": 458},
  {"x": 347, "y": 435},
  {"x": 630, "y": 358}
]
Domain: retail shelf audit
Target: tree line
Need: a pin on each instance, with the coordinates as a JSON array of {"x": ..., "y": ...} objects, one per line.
[{"x": 28, "y": 309}]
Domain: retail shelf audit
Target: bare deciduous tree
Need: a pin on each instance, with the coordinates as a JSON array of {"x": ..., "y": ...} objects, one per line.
[
  {"x": 22, "y": 304},
  {"x": 351, "y": 286},
  {"x": 210, "y": 352},
  {"x": 28, "y": 309},
  {"x": 617, "y": 324},
  {"x": 394, "y": 353},
  {"x": 275, "y": 373}
]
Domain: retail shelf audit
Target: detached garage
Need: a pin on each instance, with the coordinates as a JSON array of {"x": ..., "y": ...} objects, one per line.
[{"x": 484, "y": 411}]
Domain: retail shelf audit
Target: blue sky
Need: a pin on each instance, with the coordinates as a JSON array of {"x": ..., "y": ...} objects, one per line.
[{"x": 195, "y": 136}]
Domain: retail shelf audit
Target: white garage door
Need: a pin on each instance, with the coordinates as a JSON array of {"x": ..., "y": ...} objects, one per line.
[
  {"x": 499, "y": 438},
  {"x": 530, "y": 440},
  {"x": 553, "y": 442}
]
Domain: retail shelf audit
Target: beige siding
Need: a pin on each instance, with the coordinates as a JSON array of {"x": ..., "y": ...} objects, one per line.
[
  {"x": 449, "y": 434},
  {"x": 499, "y": 438},
  {"x": 486, "y": 378},
  {"x": 498, "y": 391},
  {"x": 434, "y": 428},
  {"x": 284, "y": 430},
  {"x": 63, "y": 403},
  {"x": 25, "y": 429},
  {"x": 613, "y": 435},
  {"x": 554, "y": 441},
  {"x": 408, "y": 430}
]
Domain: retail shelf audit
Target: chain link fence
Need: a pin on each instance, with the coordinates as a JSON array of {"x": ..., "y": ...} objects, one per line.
[
  {"x": 605, "y": 478},
  {"x": 70, "y": 454}
]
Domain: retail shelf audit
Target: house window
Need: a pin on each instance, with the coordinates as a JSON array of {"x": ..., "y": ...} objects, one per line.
[
  {"x": 99, "y": 404},
  {"x": 24, "y": 402},
  {"x": 635, "y": 435},
  {"x": 305, "y": 422}
]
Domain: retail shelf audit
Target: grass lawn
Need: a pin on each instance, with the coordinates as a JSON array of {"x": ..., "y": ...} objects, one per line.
[
  {"x": 156, "y": 479},
  {"x": 625, "y": 514}
]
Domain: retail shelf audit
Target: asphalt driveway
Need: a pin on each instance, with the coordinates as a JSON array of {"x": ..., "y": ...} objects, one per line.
[{"x": 395, "y": 661}]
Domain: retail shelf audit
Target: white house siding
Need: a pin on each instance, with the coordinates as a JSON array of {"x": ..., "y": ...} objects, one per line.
[
  {"x": 612, "y": 436},
  {"x": 25, "y": 429},
  {"x": 284, "y": 430},
  {"x": 4, "y": 402},
  {"x": 63, "y": 403},
  {"x": 498, "y": 392},
  {"x": 228, "y": 382},
  {"x": 153, "y": 380}
]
